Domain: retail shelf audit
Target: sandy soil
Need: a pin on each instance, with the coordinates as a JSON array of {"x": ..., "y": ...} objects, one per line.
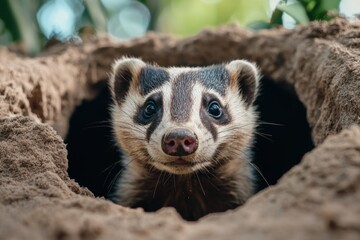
[{"x": 317, "y": 199}]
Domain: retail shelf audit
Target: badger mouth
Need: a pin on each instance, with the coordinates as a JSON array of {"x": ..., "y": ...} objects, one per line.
[
  {"x": 181, "y": 165},
  {"x": 180, "y": 162}
]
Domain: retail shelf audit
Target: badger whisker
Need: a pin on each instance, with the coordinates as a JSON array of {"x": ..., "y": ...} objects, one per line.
[
  {"x": 202, "y": 189},
  {"x": 99, "y": 124},
  {"x": 125, "y": 125},
  {"x": 167, "y": 179},
  {"x": 174, "y": 182},
  {"x": 111, "y": 167},
  {"x": 270, "y": 123},
  {"x": 116, "y": 177},
  {"x": 157, "y": 183},
  {"x": 258, "y": 170},
  {"x": 206, "y": 172}
]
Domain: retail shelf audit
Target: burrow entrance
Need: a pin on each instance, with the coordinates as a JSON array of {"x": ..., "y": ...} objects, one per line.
[{"x": 282, "y": 140}]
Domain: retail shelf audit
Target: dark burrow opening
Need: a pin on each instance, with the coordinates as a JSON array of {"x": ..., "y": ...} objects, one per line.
[{"x": 284, "y": 137}]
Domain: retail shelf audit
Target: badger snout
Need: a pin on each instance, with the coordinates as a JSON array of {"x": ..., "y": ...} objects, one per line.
[{"x": 179, "y": 142}]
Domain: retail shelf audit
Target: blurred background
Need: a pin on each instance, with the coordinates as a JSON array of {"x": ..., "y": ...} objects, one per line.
[{"x": 31, "y": 24}]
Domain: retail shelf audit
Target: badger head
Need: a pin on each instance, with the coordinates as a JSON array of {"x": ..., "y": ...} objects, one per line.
[{"x": 182, "y": 120}]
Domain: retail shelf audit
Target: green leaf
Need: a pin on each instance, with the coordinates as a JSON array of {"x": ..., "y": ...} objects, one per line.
[
  {"x": 295, "y": 10},
  {"x": 309, "y": 5},
  {"x": 276, "y": 17},
  {"x": 329, "y": 4},
  {"x": 322, "y": 8}
]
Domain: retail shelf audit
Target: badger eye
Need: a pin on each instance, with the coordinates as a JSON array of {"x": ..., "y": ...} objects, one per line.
[
  {"x": 150, "y": 109},
  {"x": 215, "y": 110}
]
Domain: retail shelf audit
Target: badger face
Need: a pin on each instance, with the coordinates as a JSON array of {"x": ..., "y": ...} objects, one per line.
[{"x": 181, "y": 120}]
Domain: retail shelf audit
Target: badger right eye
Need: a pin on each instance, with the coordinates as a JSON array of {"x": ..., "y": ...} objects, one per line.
[{"x": 150, "y": 109}]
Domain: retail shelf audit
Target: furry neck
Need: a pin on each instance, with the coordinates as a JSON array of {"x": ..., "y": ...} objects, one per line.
[{"x": 192, "y": 195}]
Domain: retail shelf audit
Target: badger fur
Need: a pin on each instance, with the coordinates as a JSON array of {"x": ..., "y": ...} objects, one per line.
[{"x": 185, "y": 134}]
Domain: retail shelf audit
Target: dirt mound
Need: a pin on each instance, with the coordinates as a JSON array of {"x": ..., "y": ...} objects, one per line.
[{"x": 317, "y": 199}]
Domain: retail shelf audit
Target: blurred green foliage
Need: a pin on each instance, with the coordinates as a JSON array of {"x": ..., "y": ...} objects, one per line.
[
  {"x": 303, "y": 11},
  {"x": 188, "y": 16},
  {"x": 19, "y": 19},
  {"x": 19, "y": 24}
]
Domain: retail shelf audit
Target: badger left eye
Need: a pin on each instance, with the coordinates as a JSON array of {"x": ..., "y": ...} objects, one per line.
[
  {"x": 215, "y": 110},
  {"x": 150, "y": 109}
]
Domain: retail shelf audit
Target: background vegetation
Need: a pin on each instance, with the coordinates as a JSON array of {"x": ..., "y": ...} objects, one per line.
[{"x": 31, "y": 23}]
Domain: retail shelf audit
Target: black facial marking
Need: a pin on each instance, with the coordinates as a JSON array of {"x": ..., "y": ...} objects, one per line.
[
  {"x": 181, "y": 101},
  {"x": 122, "y": 82},
  {"x": 214, "y": 77},
  {"x": 247, "y": 85},
  {"x": 142, "y": 118},
  {"x": 152, "y": 78},
  {"x": 209, "y": 121}
]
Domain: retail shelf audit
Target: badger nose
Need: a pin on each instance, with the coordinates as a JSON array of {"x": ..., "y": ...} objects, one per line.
[{"x": 179, "y": 142}]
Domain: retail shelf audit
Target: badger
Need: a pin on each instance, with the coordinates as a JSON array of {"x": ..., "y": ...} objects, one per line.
[{"x": 185, "y": 133}]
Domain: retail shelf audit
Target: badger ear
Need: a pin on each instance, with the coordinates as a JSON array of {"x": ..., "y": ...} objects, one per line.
[
  {"x": 125, "y": 71},
  {"x": 244, "y": 76}
]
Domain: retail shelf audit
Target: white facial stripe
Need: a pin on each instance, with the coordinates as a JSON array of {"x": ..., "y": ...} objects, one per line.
[
  {"x": 196, "y": 95},
  {"x": 206, "y": 148}
]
